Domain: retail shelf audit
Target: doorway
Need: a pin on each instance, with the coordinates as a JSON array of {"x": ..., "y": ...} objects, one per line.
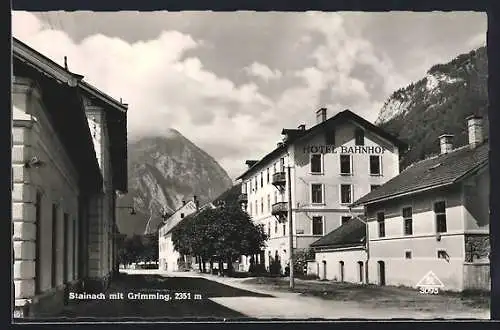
[
  {"x": 324, "y": 269},
  {"x": 341, "y": 266},
  {"x": 381, "y": 273},
  {"x": 361, "y": 271}
]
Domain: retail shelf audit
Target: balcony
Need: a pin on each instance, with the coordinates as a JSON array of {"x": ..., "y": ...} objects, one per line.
[
  {"x": 243, "y": 198},
  {"x": 279, "y": 179},
  {"x": 280, "y": 211}
]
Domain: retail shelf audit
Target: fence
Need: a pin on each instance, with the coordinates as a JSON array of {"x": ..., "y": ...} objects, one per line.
[{"x": 477, "y": 276}]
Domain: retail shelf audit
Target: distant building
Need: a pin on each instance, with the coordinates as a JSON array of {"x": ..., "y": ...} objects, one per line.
[
  {"x": 168, "y": 258},
  {"x": 332, "y": 164},
  {"x": 69, "y": 158},
  {"x": 341, "y": 254},
  {"x": 434, "y": 216}
]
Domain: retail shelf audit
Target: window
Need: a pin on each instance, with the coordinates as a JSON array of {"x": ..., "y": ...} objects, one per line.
[
  {"x": 345, "y": 164},
  {"x": 440, "y": 212},
  {"x": 282, "y": 164},
  {"x": 182, "y": 215},
  {"x": 330, "y": 137},
  {"x": 268, "y": 175},
  {"x": 275, "y": 226},
  {"x": 256, "y": 207},
  {"x": 381, "y": 224},
  {"x": 374, "y": 186},
  {"x": 317, "y": 225},
  {"x": 250, "y": 185},
  {"x": 268, "y": 229},
  {"x": 256, "y": 184},
  {"x": 345, "y": 219},
  {"x": 275, "y": 196},
  {"x": 317, "y": 193},
  {"x": 316, "y": 163},
  {"x": 262, "y": 205},
  {"x": 284, "y": 229},
  {"x": 345, "y": 194},
  {"x": 66, "y": 247},
  {"x": 38, "y": 259},
  {"x": 442, "y": 254},
  {"x": 375, "y": 165},
  {"x": 359, "y": 137},
  {"x": 408, "y": 255},
  {"x": 268, "y": 203},
  {"x": 274, "y": 168},
  {"x": 408, "y": 221},
  {"x": 261, "y": 179},
  {"x": 54, "y": 246}
]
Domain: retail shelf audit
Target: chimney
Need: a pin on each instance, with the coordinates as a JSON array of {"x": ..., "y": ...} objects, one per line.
[
  {"x": 302, "y": 127},
  {"x": 446, "y": 143},
  {"x": 196, "y": 202},
  {"x": 279, "y": 144},
  {"x": 321, "y": 115},
  {"x": 65, "y": 62},
  {"x": 183, "y": 203},
  {"x": 475, "y": 130}
]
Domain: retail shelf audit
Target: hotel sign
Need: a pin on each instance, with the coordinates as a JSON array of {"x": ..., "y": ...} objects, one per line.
[{"x": 330, "y": 149}]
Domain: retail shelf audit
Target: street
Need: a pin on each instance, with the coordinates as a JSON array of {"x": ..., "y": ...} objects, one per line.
[{"x": 203, "y": 297}]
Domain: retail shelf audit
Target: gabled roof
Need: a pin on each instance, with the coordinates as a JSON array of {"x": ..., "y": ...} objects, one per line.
[
  {"x": 42, "y": 62},
  {"x": 298, "y": 134},
  {"x": 350, "y": 234},
  {"x": 229, "y": 196},
  {"x": 438, "y": 171},
  {"x": 115, "y": 114}
]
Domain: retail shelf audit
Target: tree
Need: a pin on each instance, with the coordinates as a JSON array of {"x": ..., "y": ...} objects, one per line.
[{"x": 220, "y": 234}]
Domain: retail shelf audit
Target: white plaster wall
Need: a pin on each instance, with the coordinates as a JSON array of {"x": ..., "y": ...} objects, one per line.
[
  {"x": 33, "y": 135},
  {"x": 331, "y": 261}
]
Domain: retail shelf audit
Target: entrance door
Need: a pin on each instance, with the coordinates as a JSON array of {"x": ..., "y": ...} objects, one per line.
[
  {"x": 381, "y": 273},
  {"x": 361, "y": 271},
  {"x": 324, "y": 269},
  {"x": 341, "y": 264}
]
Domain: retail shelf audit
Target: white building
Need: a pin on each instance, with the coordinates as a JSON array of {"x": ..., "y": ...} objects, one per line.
[
  {"x": 434, "y": 217},
  {"x": 331, "y": 164},
  {"x": 341, "y": 255},
  {"x": 168, "y": 257},
  {"x": 68, "y": 161}
]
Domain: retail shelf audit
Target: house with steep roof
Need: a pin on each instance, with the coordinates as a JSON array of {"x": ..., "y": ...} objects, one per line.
[
  {"x": 434, "y": 217},
  {"x": 341, "y": 254},
  {"x": 69, "y": 159},
  {"x": 325, "y": 168},
  {"x": 168, "y": 257}
]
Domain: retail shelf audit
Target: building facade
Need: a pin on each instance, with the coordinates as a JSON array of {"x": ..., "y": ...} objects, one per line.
[
  {"x": 68, "y": 160},
  {"x": 330, "y": 165},
  {"x": 434, "y": 217},
  {"x": 341, "y": 255},
  {"x": 168, "y": 257}
]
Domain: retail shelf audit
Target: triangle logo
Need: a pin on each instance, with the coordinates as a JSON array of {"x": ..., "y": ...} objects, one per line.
[{"x": 430, "y": 280}]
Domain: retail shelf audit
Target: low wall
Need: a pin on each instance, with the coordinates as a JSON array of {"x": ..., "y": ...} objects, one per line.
[{"x": 477, "y": 276}]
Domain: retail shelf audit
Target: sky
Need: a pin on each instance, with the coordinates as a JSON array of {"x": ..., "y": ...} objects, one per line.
[{"x": 230, "y": 82}]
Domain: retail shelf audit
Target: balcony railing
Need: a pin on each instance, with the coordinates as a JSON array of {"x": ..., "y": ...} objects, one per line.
[
  {"x": 280, "y": 210},
  {"x": 279, "y": 179},
  {"x": 243, "y": 198}
]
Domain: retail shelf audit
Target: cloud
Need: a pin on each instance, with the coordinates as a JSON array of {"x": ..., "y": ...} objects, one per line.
[
  {"x": 193, "y": 74},
  {"x": 262, "y": 71}
]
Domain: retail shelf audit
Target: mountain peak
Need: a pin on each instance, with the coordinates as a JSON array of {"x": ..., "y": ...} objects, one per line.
[
  {"x": 437, "y": 104},
  {"x": 164, "y": 171}
]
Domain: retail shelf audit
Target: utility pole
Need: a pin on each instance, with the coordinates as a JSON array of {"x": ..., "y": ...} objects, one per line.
[{"x": 290, "y": 228}]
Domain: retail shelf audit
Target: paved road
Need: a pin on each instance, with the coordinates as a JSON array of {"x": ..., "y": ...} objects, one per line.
[{"x": 202, "y": 297}]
